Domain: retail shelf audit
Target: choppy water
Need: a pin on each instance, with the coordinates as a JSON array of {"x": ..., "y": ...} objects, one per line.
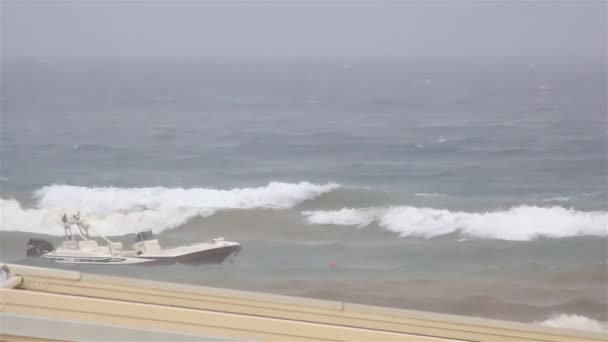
[{"x": 471, "y": 188}]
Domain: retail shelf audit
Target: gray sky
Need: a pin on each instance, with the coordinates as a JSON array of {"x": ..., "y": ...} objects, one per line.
[{"x": 336, "y": 30}]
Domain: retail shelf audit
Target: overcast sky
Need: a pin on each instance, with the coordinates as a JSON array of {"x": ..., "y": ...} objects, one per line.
[{"x": 337, "y": 30}]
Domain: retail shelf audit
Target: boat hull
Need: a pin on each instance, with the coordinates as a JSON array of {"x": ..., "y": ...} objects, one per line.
[
  {"x": 95, "y": 260},
  {"x": 216, "y": 255}
]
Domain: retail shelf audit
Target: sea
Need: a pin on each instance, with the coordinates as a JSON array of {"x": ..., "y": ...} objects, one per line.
[{"x": 471, "y": 187}]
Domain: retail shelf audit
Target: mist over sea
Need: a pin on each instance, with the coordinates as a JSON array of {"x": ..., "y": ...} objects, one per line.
[{"x": 475, "y": 187}]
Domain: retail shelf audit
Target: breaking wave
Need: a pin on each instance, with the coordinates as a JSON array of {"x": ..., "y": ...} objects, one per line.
[
  {"x": 118, "y": 211},
  {"x": 518, "y": 223},
  {"x": 575, "y": 322},
  {"x": 428, "y": 195}
]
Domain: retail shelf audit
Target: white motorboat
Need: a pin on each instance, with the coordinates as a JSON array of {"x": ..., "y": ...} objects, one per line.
[
  {"x": 214, "y": 251},
  {"x": 80, "y": 248}
]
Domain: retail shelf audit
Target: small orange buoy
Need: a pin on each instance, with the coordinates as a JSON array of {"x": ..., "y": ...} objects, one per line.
[{"x": 331, "y": 264}]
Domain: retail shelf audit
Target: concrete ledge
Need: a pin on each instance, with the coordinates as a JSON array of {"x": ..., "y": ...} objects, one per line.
[
  {"x": 43, "y": 272},
  {"x": 43, "y": 328},
  {"x": 247, "y": 315}
]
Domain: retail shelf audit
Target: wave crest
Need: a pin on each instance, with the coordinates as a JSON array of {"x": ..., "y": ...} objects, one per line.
[
  {"x": 575, "y": 322},
  {"x": 118, "y": 211},
  {"x": 518, "y": 223}
]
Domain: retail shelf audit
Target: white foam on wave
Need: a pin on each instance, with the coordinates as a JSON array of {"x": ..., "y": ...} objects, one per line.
[
  {"x": 424, "y": 194},
  {"x": 518, "y": 223},
  {"x": 575, "y": 322},
  {"x": 347, "y": 217},
  {"x": 118, "y": 211},
  {"x": 3, "y": 275},
  {"x": 556, "y": 199}
]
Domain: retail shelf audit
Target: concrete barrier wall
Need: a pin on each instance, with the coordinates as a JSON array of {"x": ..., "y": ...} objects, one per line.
[{"x": 246, "y": 315}]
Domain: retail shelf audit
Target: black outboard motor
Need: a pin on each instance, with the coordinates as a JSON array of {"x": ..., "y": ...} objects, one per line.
[{"x": 38, "y": 247}]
